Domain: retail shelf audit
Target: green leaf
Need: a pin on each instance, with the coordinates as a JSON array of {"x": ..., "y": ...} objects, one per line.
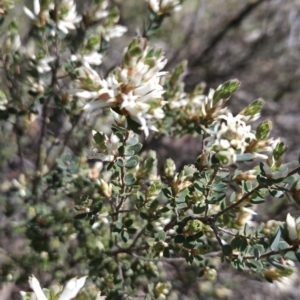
[
  {"x": 132, "y": 162},
  {"x": 275, "y": 193},
  {"x": 161, "y": 235},
  {"x": 119, "y": 225},
  {"x": 238, "y": 264},
  {"x": 225, "y": 90},
  {"x": 131, "y": 230},
  {"x": 198, "y": 209},
  {"x": 254, "y": 265},
  {"x": 137, "y": 51},
  {"x": 99, "y": 139},
  {"x": 120, "y": 162},
  {"x": 189, "y": 242},
  {"x": 276, "y": 264},
  {"x": 81, "y": 216},
  {"x": 97, "y": 207},
  {"x": 226, "y": 250},
  {"x": 128, "y": 223},
  {"x": 295, "y": 256},
  {"x": 135, "y": 148},
  {"x": 243, "y": 244},
  {"x": 256, "y": 253},
  {"x": 219, "y": 187},
  {"x": 134, "y": 126},
  {"x": 260, "y": 227},
  {"x": 235, "y": 243},
  {"x": 247, "y": 231},
  {"x": 253, "y": 108},
  {"x": 290, "y": 179},
  {"x": 167, "y": 192},
  {"x": 132, "y": 141},
  {"x": 263, "y": 130},
  {"x": 188, "y": 257},
  {"x": 201, "y": 273},
  {"x": 179, "y": 239},
  {"x": 244, "y": 157},
  {"x": 181, "y": 205},
  {"x": 275, "y": 240},
  {"x": 216, "y": 198},
  {"x": 125, "y": 236},
  {"x": 151, "y": 241},
  {"x": 130, "y": 179},
  {"x": 256, "y": 199}
]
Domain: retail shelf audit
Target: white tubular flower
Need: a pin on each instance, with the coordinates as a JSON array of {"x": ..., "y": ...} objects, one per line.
[
  {"x": 3, "y": 101},
  {"x": 67, "y": 16},
  {"x": 95, "y": 13},
  {"x": 12, "y": 43},
  {"x": 35, "y": 286},
  {"x": 275, "y": 172},
  {"x": 111, "y": 32},
  {"x": 89, "y": 86},
  {"x": 20, "y": 185},
  {"x": 228, "y": 135},
  {"x": 70, "y": 291},
  {"x": 163, "y": 6},
  {"x": 40, "y": 15},
  {"x": 42, "y": 64},
  {"x": 72, "y": 288},
  {"x": 107, "y": 147},
  {"x": 36, "y": 10},
  {"x": 93, "y": 58},
  {"x": 293, "y": 227},
  {"x": 134, "y": 87}
]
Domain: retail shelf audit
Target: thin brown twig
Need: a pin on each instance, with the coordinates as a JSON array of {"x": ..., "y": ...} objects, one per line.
[
  {"x": 237, "y": 203},
  {"x": 273, "y": 252}
]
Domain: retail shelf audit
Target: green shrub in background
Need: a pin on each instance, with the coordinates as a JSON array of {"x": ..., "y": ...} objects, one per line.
[{"x": 88, "y": 199}]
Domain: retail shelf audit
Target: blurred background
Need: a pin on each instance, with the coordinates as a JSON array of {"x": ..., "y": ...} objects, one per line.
[{"x": 255, "y": 41}]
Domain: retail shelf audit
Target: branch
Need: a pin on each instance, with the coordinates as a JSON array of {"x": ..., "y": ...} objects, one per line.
[
  {"x": 237, "y": 203},
  {"x": 273, "y": 252},
  {"x": 293, "y": 171}
]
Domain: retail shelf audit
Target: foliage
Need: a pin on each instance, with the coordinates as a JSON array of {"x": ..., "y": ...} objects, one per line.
[{"x": 90, "y": 200}]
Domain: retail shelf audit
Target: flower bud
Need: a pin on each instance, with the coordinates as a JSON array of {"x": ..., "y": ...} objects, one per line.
[
  {"x": 210, "y": 274},
  {"x": 169, "y": 168},
  {"x": 295, "y": 191},
  {"x": 293, "y": 227},
  {"x": 192, "y": 227},
  {"x": 161, "y": 290},
  {"x": 105, "y": 189}
]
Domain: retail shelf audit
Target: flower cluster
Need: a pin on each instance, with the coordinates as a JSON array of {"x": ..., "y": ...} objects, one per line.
[
  {"x": 12, "y": 42},
  {"x": 229, "y": 135},
  {"x": 133, "y": 88},
  {"x": 107, "y": 148},
  {"x": 194, "y": 109},
  {"x": 164, "y": 7},
  {"x": 65, "y": 14},
  {"x": 70, "y": 291},
  {"x": 5, "y": 5},
  {"x": 102, "y": 26},
  {"x": 283, "y": 278}
]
